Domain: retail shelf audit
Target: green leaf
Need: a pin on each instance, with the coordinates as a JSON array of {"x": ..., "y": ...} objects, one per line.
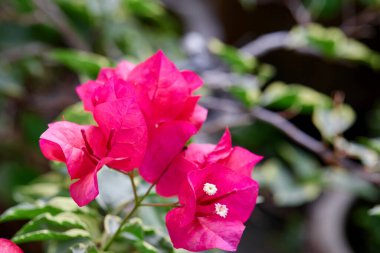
[
  {"x": 135, "y": 228},
  {"x": 76, "y": 113},
  {"x": 333, "y": 43},
  {"x": 368, "y": 157},
  {"x": 293, "y": 96},
  {"x": 53, "y": 206},
  {"x": 111, "y": 224},
  {"x": 238, "y": 61},
  {"x": 83, "y": 248},
  {"x": 375, "y": 210},
  {"x": 79, "y": 61},
  {"x": 59, "y": 221},
  {"x": 333, "y": 122},
  {"x": 145, "y": 247},
  {"x": 45, "y": 234},
  {"x": 340, "y": 179},
  {"x": 248, "y": 95},
  {"x": 287, "y": 191}
]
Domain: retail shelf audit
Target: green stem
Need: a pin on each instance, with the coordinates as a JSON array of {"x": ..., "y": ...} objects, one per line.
[
  {"x": 136, "y": 206},
  {"x": 133, "y": 183}
]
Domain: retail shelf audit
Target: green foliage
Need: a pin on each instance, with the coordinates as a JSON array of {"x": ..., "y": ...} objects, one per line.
[
  {"x": 293, "y": 97},
  {"x": 239, "y": 62},
  {"x": 83, "y": 63},
  {"x": 333, "y": 43},
  {"x": 333, "y": 122}
]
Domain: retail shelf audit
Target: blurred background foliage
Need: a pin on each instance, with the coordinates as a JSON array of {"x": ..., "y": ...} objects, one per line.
[{"x": 297, "y": 81}]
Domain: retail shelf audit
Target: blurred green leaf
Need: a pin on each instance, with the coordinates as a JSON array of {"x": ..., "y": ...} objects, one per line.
[
  {"x": 53, "y": 206},
  {"x": 135, "y": 228},
  {"x": 145, "y": 247},
  {"x": 248, "y": 95},
  {"x": 238, "y": 61},
  {"x": 294, "y": 97},
  {"x": 84, "y": 63},
  {"x": 333, "y": 122},
  {"x": 286, "y": 190},
  {"x": 367, "y": 156},
  {"x": 76, "y": 113},
  {"x": 333, "y": 43},
  {"x": 147, "y": 8},
  {"x": 45, "y": 234},
  {"x": 339, "y": 179},
  {"x": 375, "y": 210},
  {"x": 111, "y": 224},
  {"x": 9, "y": 85}
]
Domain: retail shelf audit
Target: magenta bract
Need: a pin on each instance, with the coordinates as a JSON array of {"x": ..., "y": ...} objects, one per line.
[
  {"x": 8, "y": 246},
  {"x": 216, "y": 201},
  {"x": 198, "y": 156}
]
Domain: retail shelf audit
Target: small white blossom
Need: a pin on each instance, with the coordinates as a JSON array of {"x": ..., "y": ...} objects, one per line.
[
  {"x": 221, "y": 210},
  {"x": 210, "y": 189}
]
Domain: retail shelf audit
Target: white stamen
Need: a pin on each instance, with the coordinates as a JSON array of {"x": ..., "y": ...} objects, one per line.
[
  {"x": 210, "y": 189},
  {"x": 221, "y": 210}
]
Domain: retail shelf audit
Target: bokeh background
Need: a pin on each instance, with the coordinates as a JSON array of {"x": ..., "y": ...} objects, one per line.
[{"x": 240, "y": 48}]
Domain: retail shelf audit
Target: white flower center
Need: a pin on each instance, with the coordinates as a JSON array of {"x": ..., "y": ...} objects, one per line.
[
  {"x": 221, "y": 210},
  {"x": 210, "y": 189}
]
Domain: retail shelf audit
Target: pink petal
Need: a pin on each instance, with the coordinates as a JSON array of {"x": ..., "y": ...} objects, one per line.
[
  {"x": 222, "y": 149},
  {"x": 123, "y": 69},
  {"x": 161, "y": 88},
  {"x": 197, "y": 153},
  {"x": 86, "y": 91},
  {"x": 173, "y": 178},
  {"x": 8, "y": 246},
  {"x": 192, "y": 79},
  {"x": 203, "y": 233},
  {"x": 165, "y": 142},
  {"x": 193, "y": 113},
  {"x": 242, "y": 161},
  {"x": 124, "y": 124},
  {"x": 85, "y": 189},
  {"x": 63, "y": 141},
  {"x": 240, "y": 192}
]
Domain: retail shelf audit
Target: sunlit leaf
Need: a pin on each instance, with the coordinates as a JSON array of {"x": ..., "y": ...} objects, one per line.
[
  {"x": 333, "y": 122},
  {"x": 79, "y": 61},
  {"x": 43, "y": 235}
]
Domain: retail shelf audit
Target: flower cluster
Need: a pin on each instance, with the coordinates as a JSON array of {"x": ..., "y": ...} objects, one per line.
[{"x": 145, "y": 115}]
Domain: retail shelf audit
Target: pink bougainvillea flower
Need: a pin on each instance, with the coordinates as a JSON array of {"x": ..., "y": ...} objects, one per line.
[
  {"x": 86, "y": 91},
  {"x": 8, "y": 246},
  {"x": 164, "y": 95},
  {"x": 198, "y": 156},
  {"x": 171, "y": 111},
  {"x": 119, "y": 142},
  {"x": 215, "y": 202}
]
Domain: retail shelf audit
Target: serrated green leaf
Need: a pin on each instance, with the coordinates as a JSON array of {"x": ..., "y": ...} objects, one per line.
[
  {"x": 76, "y": 113},
  {"x": 333, "y": 122},
  {"x": 45, "y": 234},
  {"x": 59, "y": 221},
  {"x": 79, "y": 61}
]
